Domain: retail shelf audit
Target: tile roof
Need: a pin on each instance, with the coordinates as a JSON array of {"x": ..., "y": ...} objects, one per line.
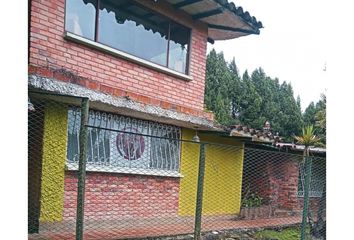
[
  {"x": 225, "y": 20},
  {"x": 257, "y": 135}
]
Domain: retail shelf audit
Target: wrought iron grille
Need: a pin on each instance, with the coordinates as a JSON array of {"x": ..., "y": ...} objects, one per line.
[{"x": 119, "y": 143}]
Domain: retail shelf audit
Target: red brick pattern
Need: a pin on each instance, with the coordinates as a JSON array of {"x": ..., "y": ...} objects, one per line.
[
  {"x": 113, "y": 75},
  {"x": 65, "y": 76},
  {"x": 283, "y": 176},
  {"x": 112, "y": 195},
  {"x": 275, "y": 179}
]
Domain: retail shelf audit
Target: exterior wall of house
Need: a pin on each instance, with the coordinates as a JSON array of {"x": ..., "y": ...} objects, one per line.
[
  {"x": 283, "y": 183},
  {"x": 222, "y": 179},
  {"x": 53, "y": 163},
  {"x": 274, "y": 177},
  {"x": 50, "y": 55},
  {"x": 114, "y": 195},
  {"x": 107, "y": 195}
]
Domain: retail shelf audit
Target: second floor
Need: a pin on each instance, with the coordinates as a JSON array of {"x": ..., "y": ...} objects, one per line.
[{"x": 153, "y": 51}]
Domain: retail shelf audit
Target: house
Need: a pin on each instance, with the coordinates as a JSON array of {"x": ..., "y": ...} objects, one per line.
[{"x": 141, "y": 64}]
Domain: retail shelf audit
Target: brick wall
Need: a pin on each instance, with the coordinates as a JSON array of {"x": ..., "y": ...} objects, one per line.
[
  {"x": 111, "y": 195},
  {"x": 283, "y": 177},
  {"x": 274, "y": 177},
  {"x": 52, "y": 55}
]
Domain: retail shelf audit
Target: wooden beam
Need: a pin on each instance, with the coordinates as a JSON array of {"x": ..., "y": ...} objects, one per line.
[
  {"x": 185, "y": 3},
  {"x": 208, "y": 13},
  {"x": 233, "y": 29}
]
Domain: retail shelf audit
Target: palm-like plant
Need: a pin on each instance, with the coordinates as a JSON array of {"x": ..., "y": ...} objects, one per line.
[{"x": 308, "y": 139}]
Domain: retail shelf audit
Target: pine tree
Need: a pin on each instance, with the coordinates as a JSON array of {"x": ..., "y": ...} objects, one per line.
[{"x": 250, "y": 100}]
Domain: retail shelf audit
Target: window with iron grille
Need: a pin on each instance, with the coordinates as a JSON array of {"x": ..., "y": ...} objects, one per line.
[
  {"x": 318, "y": 178},
  {"x": 132, "y": 28},
  {"x": 118, "y": 143}
]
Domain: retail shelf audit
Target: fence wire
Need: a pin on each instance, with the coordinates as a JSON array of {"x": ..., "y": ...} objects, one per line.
[{"x": 149, "y": 180}]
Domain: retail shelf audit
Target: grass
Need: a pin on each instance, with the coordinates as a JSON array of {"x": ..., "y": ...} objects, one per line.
[{"x": 292, "y": 233}]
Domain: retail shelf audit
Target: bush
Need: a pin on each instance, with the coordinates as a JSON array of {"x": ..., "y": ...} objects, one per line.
[{"x": 252, "y": 200}]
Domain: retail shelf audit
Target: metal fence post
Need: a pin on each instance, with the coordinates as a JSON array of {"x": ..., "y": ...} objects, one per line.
[
  {"x": 199, "y": 201},
  {"x": 308, "y": 165},
  {"x": 82, "y": 169}
]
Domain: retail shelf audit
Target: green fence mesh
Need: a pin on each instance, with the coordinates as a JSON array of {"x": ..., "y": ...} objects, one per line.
[{"x": 145, "y": 179}]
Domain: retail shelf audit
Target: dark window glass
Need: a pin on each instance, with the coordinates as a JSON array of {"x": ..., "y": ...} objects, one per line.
[
  {"x": 80, "y": 17},
  {"x": 128, "y": 28},
  {"x": 178, "y": 52},
  {"x": 131, "y": 28}
]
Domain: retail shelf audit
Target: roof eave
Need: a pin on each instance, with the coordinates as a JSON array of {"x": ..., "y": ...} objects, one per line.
[{"x": 224, "y": 19}]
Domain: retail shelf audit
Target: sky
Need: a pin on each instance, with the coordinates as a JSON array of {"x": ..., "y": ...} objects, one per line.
[{"x": 292, "y": 46}]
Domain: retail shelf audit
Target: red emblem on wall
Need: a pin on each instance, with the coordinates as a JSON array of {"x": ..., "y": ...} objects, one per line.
[{"x": 129, "y": 145}]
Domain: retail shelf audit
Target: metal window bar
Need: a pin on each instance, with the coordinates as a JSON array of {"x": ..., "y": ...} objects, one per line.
[{"x": 164, "y": 153}]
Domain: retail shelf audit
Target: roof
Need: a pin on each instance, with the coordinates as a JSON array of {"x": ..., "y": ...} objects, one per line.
[
  {"x": 225, "y": 20},
  {"x": 244, "y": 133},
  {"x": 300, "y": 148},
  {"x": 257, "y": 135}
]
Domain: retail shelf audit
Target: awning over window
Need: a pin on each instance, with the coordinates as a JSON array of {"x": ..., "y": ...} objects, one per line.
[{"x": 224, "y": 19}]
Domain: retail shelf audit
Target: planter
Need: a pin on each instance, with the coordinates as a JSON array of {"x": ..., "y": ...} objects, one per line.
[{"x": 256, "y": 212}]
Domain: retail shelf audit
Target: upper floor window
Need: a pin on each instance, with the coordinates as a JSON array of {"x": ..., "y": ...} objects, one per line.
[{"x": 131, "y": 28}]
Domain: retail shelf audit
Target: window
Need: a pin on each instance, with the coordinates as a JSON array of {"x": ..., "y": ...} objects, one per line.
[
  {"x": 131, "y": 144},
  {"x": 131, "y": 28},
  {"x": 318, "y": 178}
]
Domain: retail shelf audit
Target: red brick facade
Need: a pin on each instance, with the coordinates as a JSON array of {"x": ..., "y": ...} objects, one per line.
[
  {"x": 275, "y": 177},
  {"x": 53, "y": 56},
  {"x": 112, "y": 195},
  {"x": 283, "y": 183}
]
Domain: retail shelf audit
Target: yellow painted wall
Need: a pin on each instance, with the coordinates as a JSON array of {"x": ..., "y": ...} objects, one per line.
[
  {"x": 222, "y": 180},
  {"x": 53, "y": 165}
]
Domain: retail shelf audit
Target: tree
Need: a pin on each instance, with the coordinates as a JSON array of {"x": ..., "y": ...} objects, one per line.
[
  {"x": 250, "y": 100},
  {"x": 250, "y": 103},
  {"x": 298, "y": 101},
  {"x": 217, "y": 91},
  {"x": 315, "y": 114},
  {"x": 236, "y": 91},
  {"x": 309, "y": 114}
]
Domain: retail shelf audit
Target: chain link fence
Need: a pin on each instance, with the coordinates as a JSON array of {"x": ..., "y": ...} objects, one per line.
[{"x": 99, "y": 175}]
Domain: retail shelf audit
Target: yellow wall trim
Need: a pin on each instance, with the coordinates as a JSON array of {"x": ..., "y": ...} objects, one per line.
[
  {"x": 53, "y": 165},
  {"x": 222, "y": 179}
]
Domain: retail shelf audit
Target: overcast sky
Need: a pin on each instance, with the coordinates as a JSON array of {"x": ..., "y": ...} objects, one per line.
[{"x": 292, "y": 46}]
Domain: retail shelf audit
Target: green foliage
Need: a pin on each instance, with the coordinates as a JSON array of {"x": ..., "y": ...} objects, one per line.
[
  {"x": 291, "y": 233},
  {"x": 315, "y": 114},
  {"x": 250, "y": 100},
  {"x": 309, "y": 114},
  {"x": 218, "y": 79},
  {"x": 252, "y": 200},
  {"x": 308, "y": 137}
]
